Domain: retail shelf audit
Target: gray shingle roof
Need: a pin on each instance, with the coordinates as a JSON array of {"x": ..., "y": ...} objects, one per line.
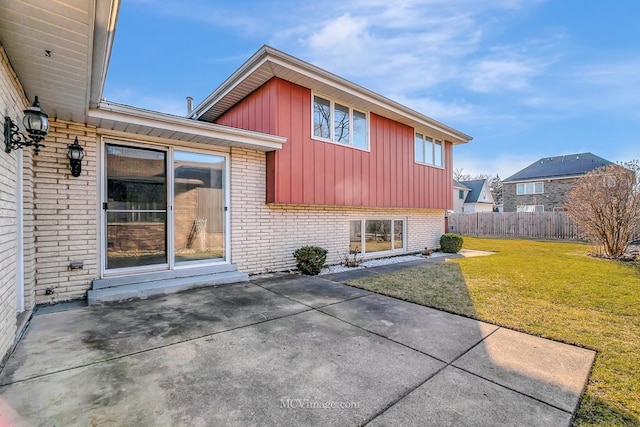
[
  {"x": 459, "y": 184},
  {"x": 476, "y": 188},
  {"x": 560, "y": 166}
]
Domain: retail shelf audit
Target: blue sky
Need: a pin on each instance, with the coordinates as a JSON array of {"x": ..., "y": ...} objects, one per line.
[{"x": 525, "y": 78}]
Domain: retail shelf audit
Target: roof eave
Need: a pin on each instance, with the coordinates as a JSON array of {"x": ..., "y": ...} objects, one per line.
[
  {"x": 269, "y": 54},
  {"x": 541, "y": 178},
  {"x": 104, "y": 30},
  {"x": 110, "y": 116}
]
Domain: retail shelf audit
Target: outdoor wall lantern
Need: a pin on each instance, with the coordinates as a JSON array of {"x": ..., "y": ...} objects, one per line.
[
  {"x": 36, "y": 124},
  {"x": 75, "y": 155}
]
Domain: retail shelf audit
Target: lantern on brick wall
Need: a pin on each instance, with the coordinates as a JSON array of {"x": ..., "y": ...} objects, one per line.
[
  {"x": 75, "y": 154},
  {"x": 35, "y": 122}
]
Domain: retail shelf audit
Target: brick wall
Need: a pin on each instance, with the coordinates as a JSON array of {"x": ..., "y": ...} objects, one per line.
[
  {"x": 554, "y": 196},
  {"x": 265, "y": 236},
  {"x": 12, "y": 102},
  {"x": 65, "y": 215},
  {"x": 28, "y": 226}
]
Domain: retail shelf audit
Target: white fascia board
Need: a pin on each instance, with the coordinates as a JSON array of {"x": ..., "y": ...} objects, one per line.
[
  {"x": 268, "y": 54},
  {"x": 125, "y": 114},
  {"x": 245, "y": 70},
  {"x": 102, "y": 33}
]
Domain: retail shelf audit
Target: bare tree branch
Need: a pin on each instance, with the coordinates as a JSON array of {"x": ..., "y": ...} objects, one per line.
[{"x": 605, "y": 203}]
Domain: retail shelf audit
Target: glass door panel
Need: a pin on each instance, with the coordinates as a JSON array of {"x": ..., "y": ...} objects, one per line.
[
  {"x": 136, "y": 207},
  {"x": 199, "y": 207}
]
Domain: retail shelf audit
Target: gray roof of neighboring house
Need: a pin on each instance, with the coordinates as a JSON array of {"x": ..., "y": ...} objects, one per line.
[
  {"x": 458, "y": 184},
  {"x": 560, "y": 166},
  {"x": 476, "y": 188}
]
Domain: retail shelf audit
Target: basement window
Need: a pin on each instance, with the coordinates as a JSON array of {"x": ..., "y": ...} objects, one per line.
[{"x": 376, "y": 235}]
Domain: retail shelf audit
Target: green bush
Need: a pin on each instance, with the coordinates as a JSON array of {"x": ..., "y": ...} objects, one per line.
[
  {"x": 451, "y": 243},
  {"x": 310, "y": 259}
]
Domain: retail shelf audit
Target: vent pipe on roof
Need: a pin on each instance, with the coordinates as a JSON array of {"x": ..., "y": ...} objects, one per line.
[{"x": 189, "y": 105}]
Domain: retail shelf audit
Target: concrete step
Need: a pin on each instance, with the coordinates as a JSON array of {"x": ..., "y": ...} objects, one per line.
[
  {"x": 130, "y": 279},
  {"x": 161, "y": 287}
]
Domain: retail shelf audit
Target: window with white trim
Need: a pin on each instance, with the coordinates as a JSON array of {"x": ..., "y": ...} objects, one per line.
[
  {"x": 376, "y": 235},
  {"x": 428, "y": 151},
  {"x": 530, "y": 208},
  {"x": 336, "y": 122},
  {"x": 530, "y": 188}
]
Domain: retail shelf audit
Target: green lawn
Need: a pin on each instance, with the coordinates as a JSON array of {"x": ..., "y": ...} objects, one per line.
[{"x": 550, "y": 289}]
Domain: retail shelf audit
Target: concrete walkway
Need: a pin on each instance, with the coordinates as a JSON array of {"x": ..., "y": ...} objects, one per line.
[{"x": 284, "y": 350}]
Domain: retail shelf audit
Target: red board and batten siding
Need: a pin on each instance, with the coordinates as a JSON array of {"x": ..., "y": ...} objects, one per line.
[{"x": 311, "y": 172}]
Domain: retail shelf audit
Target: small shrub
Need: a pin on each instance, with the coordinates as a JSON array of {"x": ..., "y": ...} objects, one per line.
[
  {"x": 351, "y": 258},
  {"x": 451, "y": 243},
  {"x": 310, "y": 259}
]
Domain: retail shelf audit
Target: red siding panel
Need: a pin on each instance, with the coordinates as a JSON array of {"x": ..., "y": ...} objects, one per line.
[
  {"x": 317, "y": 173},
  {"x": 313, "y": 172},
  {"x": 348, "y": 174},
  {"x": 365, "y": 180},
  {"x": 394, "y": 163},
  {"x": 329, "y": 174}
]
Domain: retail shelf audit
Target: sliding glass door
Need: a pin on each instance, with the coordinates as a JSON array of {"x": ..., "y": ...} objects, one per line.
[
  {"x": 199, "y": 213},
  {"x": 163, "y": 208},
  {"x": 136, "y": 207}
]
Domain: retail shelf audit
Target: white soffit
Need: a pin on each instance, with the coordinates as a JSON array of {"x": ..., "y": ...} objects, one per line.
[
  {"x": 268, "y": 63},
  {"x": 122, "y": 120},
  {"x": 50, "y": 45}
]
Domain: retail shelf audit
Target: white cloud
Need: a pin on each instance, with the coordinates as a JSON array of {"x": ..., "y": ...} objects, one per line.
[
  {"x": 490, "y": 75},
  {"x": 599, "y": 87},
  {"x": 341, "y": 35},
  {"x": 406, "y": 50}
]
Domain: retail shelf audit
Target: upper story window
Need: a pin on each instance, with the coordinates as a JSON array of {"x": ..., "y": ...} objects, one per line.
[
  {"x": 339, "y": 123},
  {"x": 460, "y": 194},
  {"x": 428, "y": 150},
  {"x": 530, "y": 188}
]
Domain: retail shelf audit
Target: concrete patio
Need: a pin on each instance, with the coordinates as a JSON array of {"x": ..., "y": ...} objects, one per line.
[{"x": 284, "y": 350}]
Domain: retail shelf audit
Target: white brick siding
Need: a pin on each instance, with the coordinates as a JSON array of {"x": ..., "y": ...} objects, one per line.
[
  {"x": 12, "y": 102},
  {"x": 65, "y": 215},
  {"x": 263, "y": 237}
]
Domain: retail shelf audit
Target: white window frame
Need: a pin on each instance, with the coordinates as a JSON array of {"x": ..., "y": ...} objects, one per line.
[
  {"x": 526, "y": 208},
  {"x": 433, "y": 143},
  {"x": 332, "y": 130},
  {"x": 523, "y": 186},
  {"x": 363, "y": 223}
]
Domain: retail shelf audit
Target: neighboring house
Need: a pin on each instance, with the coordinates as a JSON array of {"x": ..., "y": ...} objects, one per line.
[
  {"x": 460, "y": 192},
  {"x": 479, "y": 197},
  {"x": 283, "y": 154},
  {"x": 544, "y": 185}
]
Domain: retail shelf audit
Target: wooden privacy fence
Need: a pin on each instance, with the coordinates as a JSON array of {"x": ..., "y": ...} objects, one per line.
[{"x": 543, "y": 225}]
